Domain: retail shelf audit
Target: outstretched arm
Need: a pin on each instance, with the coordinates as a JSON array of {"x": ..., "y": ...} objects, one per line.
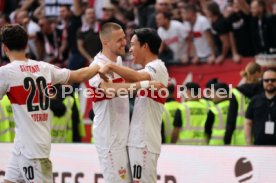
[
  {"x": 128, "y": 74},
  {"x": 83, "y": 74},
  {"x": 120, "y": 89}
]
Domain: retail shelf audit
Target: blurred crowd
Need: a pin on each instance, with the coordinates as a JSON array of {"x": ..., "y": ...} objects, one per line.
[{"x": 193, "y": 31}]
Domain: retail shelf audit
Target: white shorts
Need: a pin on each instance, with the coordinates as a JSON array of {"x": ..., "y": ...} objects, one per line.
[
  {"x": 115, "y": 166},
  {"x": 29, "y": 170},
  {"x": 143, "y": 165}
]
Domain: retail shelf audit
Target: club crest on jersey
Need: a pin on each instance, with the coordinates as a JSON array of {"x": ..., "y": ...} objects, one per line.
[{"x": 122, "y": 172}]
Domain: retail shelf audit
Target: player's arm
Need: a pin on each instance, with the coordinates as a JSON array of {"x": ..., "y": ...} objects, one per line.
[
  {"x": 125, "y": 88},
  {"x": 126, "y": 73},
  {"x": 83, "y": 74}
]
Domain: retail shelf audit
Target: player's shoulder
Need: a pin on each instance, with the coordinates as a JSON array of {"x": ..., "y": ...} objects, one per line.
[
  {"x": 156, "y": 64},
  {"x": 99, "y": 58}
]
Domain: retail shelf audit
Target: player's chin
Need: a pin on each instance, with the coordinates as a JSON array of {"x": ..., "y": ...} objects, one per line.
[
  {"x": 135, "y": 60},
  {"x": 122, "y": 52}
]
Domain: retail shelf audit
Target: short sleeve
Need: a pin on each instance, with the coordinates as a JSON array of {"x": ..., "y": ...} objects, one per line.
[
  {"x": 151, "y": 70},
  {"x": 205, "y": 24},
  {"x": 80, "y": 34},
  {"x": 185, "y": 29},
  {"x": 3, "y": 83},
  {"x": 222, "y": 26},
  {"x": 59, "y": 75}
]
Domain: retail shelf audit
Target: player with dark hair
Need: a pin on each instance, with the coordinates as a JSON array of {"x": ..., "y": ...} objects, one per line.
[{"x": 26, "y": 83}]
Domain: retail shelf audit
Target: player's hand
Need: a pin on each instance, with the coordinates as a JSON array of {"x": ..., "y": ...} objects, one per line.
[
  {"x": 156, "y": 85},
  {"x": 104, "y": 77},
  {"x": 104, "y": 69}
]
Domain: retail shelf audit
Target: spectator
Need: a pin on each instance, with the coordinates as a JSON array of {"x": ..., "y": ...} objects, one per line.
[
  {"x": 216, "y": 120},
  {"x": 260, "y": 115},
  {"x": 64, "y": 18},
  {"x": 47, "y": 42},
  {"x": 173, "y": 35},
  {"x": 170, "y": 108},
  {"x": 201, "y": 35},
  {"x": 207, "y": 100},
  {"x": 89, "y": 33},
  {"x": 190, "y": 118},
  {"x": 68, "y": 27},
  {"x": 221, "y": 30},
  {"x": 240, "y": 23},
  {"x": 23, "y": 19},
  {"x": 61, "y": 108},
  {"x": 238, "y": 104},
  {"x": 109, "y": 14},
  {"x": 261, "y": 28},
  {"x": 160, "y": 6},
  {"x": 7, "y": 124},
  {"x": 32, "y": 28}
]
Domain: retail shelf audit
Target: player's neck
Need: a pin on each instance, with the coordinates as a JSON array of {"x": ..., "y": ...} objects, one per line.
[
  {"x": 109, "y": 55},
  {"x": 17, "y": 56},
  {"x": 149, "y": 58}
]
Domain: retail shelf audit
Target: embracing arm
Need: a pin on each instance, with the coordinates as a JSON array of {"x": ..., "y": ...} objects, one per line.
[
  {"x": 83, "y": 74},
  {"x": 117, "y": 89},
  {"x": 127, "y": 73}
]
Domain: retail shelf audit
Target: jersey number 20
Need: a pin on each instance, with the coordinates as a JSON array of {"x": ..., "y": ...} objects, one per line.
[{"x": 39, "y": 84}]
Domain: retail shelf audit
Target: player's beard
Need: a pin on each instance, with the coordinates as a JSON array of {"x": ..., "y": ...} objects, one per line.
[{"x": 120, "y": 52}]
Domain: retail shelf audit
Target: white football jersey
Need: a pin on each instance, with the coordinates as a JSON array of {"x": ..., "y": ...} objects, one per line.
[
  {"x": 111, "y": 121},
  {"x": 145, "y": 126},
  {"x": 25, "y": 83}
]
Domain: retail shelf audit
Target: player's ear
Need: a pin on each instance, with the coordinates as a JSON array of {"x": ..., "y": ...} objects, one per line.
[
  {"x": 146, "y": 46},
  {"x": 5, "y": 48},
  {"x": 104, "y": 41}
]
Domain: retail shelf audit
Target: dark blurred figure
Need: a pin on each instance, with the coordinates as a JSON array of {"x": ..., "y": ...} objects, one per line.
[
  {"x": 221, "y": 30},
  {"x": 262, "y": 28},
  {"x": 240, "y": 22},
  {"x": 4, "y": 19}
]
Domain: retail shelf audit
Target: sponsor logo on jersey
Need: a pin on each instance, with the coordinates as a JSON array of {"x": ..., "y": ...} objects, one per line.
[{"x": 151, "y": 68}]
